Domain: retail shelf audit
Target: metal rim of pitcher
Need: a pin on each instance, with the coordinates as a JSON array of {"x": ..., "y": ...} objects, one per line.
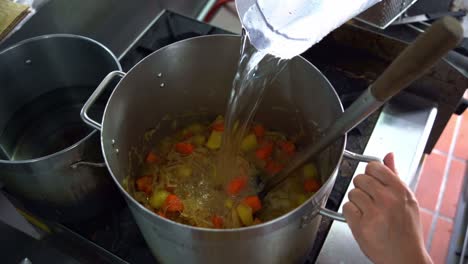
[{"x": 71, "y": 36}]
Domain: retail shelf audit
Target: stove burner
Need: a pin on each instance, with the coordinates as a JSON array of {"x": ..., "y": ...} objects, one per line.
[{"x": 169, "y": 28}]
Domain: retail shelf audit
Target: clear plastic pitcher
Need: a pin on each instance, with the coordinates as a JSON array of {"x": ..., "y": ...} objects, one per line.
[{"x": 288, "y": 28}]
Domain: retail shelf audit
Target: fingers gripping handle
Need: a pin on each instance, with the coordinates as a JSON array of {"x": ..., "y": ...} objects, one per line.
[
  {"x": 350, "y": 155},
  {"x": 103, "y": 85}
]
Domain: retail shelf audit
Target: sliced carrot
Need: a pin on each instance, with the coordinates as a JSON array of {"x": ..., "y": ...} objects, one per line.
[
  {"x": 184, "y": 148},
  {"x": 236, "y": 185},
  {"x": 152, "y": 158},
  {"x": 259, "y": 131},
  {"x": 218, "y": 221},
  {"x": 287, "y": 147},
  {"x": 273, "y": 167},
  {"x": 145, "y": 184},
  {"x": 311, "y": 185},
  {"x": 264, "y": 152},
  {"x": 218, "y": 126},
  {"x": 254, "y": 203},
  {"x": 173, "y": 204}
]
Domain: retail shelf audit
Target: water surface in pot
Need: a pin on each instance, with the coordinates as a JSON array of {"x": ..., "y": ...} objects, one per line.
[{"x": 48, "y": 124}]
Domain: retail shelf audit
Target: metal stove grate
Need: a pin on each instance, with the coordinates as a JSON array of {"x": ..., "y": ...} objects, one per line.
[{"x": 384, "y": 13}]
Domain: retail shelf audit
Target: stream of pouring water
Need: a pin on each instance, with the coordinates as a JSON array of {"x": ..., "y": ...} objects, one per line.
[{"x": 256, "y": 70}]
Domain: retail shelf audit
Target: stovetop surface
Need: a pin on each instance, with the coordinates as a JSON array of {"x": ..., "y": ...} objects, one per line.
[{"x": 117, "y": 232}]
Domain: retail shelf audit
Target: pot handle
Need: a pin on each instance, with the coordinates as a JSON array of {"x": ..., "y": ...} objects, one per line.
[
  {"x": 88, "y": 164},
  {"x": 353, "y": 156},
  {"x": 105, "y": 82}
]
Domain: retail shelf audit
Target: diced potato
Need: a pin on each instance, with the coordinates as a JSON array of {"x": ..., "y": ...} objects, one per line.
[
  {"x": 199, "y": 140},
  {"x": 195, "y": 128},
  {"x": 184, "y": 171},
  {"x": 215, "y": 139},
  {"x": 235, "y": 218},
  {"x": 157, "y": 198},
  {"x": 249, "y": 143},
  {"x": 310, "y": 171},
  {"x": 228, "y": 203},
  {"x": 245, "y": 214}
]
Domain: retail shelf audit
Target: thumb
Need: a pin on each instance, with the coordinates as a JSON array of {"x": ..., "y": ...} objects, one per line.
[{"x": 389, "y": 161}]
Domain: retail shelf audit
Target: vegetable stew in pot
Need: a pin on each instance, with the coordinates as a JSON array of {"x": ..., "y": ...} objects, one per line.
[{"x": 179, "y": 179}]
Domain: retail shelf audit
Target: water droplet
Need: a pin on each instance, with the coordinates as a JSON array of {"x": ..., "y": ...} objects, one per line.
[
  {"x": 28, "y": 61},
  {"x": 159, "y": 75},
  {"x": 162, "y": 85}
]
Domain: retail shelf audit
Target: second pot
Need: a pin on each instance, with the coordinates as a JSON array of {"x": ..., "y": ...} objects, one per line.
[{"x": 49, "y": 160}]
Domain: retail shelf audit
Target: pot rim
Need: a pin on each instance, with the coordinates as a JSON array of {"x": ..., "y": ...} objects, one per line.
[
  {"x": 65, "y": 36},
  {"x": 148, "y": 213}
]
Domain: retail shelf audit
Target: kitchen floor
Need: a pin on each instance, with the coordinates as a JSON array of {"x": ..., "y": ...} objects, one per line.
[{"x": 439, "y": 186}]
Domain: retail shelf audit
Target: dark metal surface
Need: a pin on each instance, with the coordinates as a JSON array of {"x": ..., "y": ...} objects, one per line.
[
  {"x": 169, "y": 28},
  {"x": 430, "y": 6},
  {"x": 116, "y": 24}
]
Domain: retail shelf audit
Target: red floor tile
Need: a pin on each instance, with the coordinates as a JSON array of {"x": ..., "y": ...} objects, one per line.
[
  {"x": 443, "y": 144},
  {"x": 426, "y": 221},
  {"x": 461, "y": 146},
  {"x": 440, "y": 241},
  {"x": 427, "y": 190},
  {"x": 453, "y": 188}
]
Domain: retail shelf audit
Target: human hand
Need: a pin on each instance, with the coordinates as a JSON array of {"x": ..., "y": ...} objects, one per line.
[{"x": 383, "y": 215}]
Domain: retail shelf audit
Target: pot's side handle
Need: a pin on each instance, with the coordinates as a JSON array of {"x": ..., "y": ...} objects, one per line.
[
  {"x": 105, "y": 82},
  {"x": 350, "y": 155},
  {"x": 78, "y": 164}
]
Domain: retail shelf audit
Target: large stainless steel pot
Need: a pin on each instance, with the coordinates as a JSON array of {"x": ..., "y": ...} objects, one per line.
[
  {"x": 50, "y": 160},
  {"x": 196, "y": 75}
]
